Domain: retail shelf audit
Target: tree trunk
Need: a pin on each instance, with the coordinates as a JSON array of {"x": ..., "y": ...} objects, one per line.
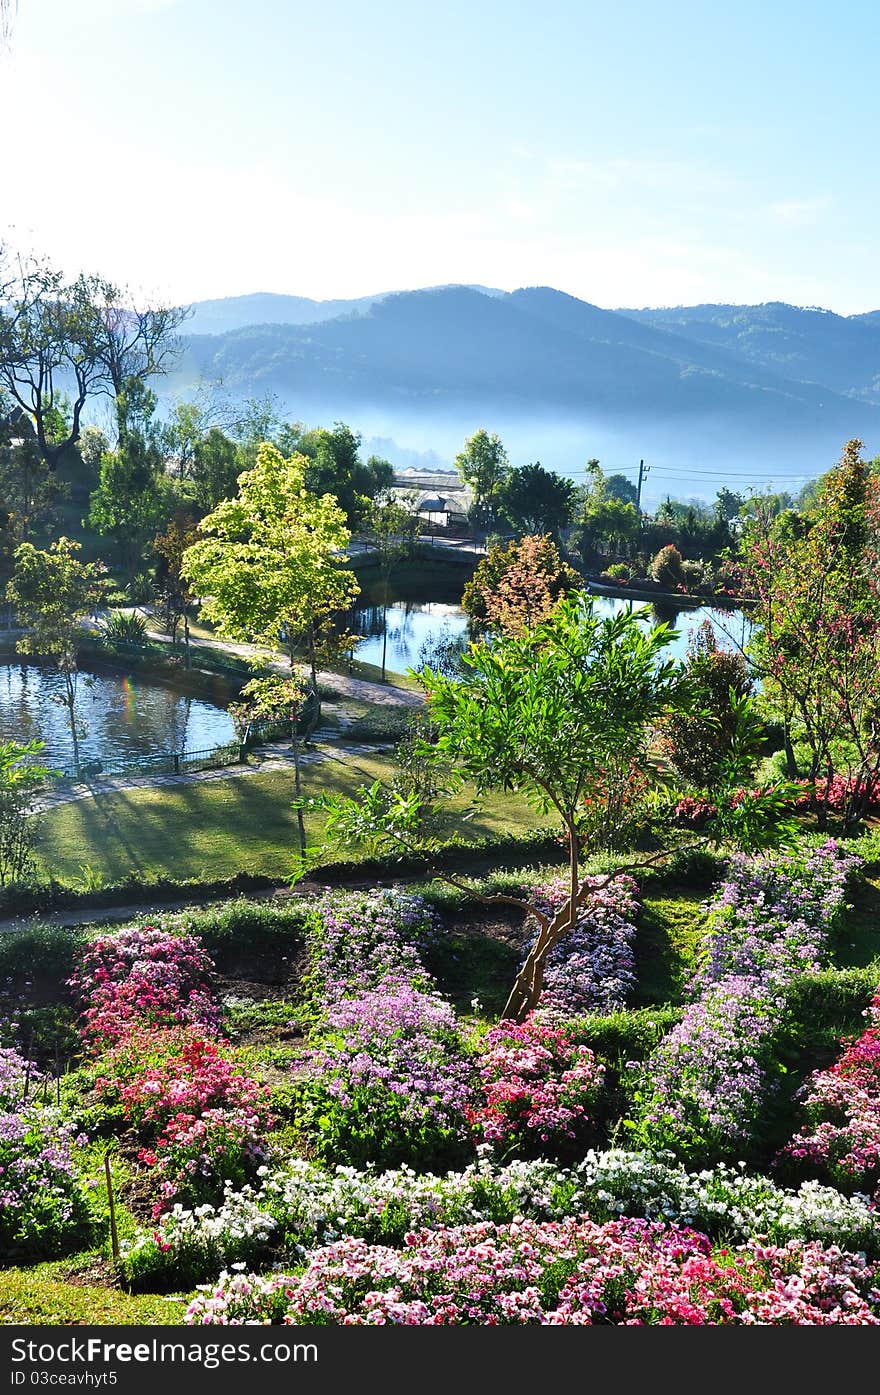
[
  {"x": 791, "y": 768},
  {"x": 188, "y": 660},
  {"x": 70, "y": 692},
  {"x": 312, "y": 657},
  {"x": 384, "y": 638},
  {"x": 528, "y": 985}
]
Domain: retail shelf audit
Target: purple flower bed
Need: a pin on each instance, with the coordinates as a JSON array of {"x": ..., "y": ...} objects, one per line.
[
  {"x": 770, "y": 920},
  {"x": 703, "y": 1088},
  {"x": 592, "y": 968},
  {"x": 43, "y": 1208},
  {"x": 386, "y": 1079},
  {"x": 361, "y": 941}
]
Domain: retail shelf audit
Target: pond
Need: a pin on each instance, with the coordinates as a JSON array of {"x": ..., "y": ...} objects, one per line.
[
  {"x": 415, "y": 626},
  {"x": 126, "y": 718}
]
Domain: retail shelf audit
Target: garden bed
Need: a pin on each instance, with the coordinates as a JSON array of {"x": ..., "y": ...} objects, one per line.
[{"x": 278, "y": 1029}]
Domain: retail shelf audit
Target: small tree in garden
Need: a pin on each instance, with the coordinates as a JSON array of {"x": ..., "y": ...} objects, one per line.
[
  {"x": 666, "y": 568},
  {"x": 20, "y": 778},
  {"x": 51, "y": 592},
  {"x": 698, "y": 742},
  {"x": 277, "y": 701},
  {"x": 169, "y": 548},
  {"x": 541, "y": 714},
  {"x": 269, "y": 562},
  {"x": 515, "y": 588}
]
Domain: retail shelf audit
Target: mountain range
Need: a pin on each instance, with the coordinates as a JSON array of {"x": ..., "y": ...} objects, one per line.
[{"x": 700, "y": 390}]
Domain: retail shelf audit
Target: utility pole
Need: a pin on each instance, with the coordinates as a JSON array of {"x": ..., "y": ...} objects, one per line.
[{"x": 643, "y": 471}]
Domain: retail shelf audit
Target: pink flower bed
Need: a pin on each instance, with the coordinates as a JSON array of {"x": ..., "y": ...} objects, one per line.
[
  {"x": 537, "y": 1087},
  {"x": 139, "y": 977},
  {"x": 842, "y": 1105},
  {"x": 628, "y": 1273}
]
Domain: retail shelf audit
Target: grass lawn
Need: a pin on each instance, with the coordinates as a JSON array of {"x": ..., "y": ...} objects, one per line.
[
  {"x": 43, "y": 1295},
  {"x": 213, "y": 829}
]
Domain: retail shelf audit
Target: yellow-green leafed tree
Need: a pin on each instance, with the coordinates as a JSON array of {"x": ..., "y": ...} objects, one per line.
[{"x": 272, "y": 560}]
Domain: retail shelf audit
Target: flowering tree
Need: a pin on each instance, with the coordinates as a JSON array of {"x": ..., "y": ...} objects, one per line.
[{"x": 817, "y": 586}]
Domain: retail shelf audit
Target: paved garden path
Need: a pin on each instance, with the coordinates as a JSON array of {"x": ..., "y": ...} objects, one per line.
[{"x": 385, "y": 694}]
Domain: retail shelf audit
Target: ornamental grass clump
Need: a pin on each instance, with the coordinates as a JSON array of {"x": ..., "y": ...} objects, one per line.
[
  {"x": 770, "y": 919},
  {"x": 537, "y": 1089},
  {"x": 592, "y": 968},
  {"x": 842, "y": 1106},
  {"x": 564, "y": 1273},
  {"x": 144, "y": 977}
]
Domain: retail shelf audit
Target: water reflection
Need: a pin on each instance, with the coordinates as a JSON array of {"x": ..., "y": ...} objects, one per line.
[
  {"x": 413, "y": 625},
  {"x": 125, "y": 718}
]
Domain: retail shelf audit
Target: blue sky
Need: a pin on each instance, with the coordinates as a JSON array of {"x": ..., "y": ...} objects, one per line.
[{"x": 631, "y": 154}]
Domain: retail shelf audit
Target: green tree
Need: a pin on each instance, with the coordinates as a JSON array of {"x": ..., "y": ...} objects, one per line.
[
  {"x": 21, "y": 777},
  {"x": 169, "y": 548},
  {"x": 277, "y": 701},
  {"x": 132, "y": 499},
  {"x": 215, "y": 468},
  {"x": 515, "y": 588},
  {"x": 270, "y": 561},
  {"x": 28, "y": 488},
  {"x": 605, "y": 521},
  {"x": 51, "y": 592},
  {"x": 335, "y": 467},
  {"x": 392, "y": 532},
  {"x": 483, "y": 465},
  {"x": 537, "y": 500},
  {"x": 699, "y": 741},
  {"x": 549, "y": 714}
]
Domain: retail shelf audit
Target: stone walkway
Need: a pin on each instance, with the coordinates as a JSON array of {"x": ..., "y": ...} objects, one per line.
[{"x": 384, "y": 694}]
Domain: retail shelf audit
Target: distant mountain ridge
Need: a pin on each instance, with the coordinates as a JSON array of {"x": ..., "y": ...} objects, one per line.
[{"x": 753, "y": 379}]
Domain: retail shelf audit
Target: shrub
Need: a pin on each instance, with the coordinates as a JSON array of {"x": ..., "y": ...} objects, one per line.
[
  {"x": 665, "y": 569},
  {"x": 125, "y": 627}
]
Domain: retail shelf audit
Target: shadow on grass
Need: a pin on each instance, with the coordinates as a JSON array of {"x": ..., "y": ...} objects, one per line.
[{"x": 670, "y": 930}]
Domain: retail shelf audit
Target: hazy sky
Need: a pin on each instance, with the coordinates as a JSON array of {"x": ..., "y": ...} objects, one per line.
[{"x": 633, "y": 153}]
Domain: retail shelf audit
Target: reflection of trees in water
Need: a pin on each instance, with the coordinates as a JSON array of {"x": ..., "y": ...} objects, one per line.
[
  {"x": 667, "y": 613},
  {"x": 124, "y": 721}
]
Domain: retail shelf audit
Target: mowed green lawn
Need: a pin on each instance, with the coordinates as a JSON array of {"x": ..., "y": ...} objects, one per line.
[{"x": 213, "y": 829}]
